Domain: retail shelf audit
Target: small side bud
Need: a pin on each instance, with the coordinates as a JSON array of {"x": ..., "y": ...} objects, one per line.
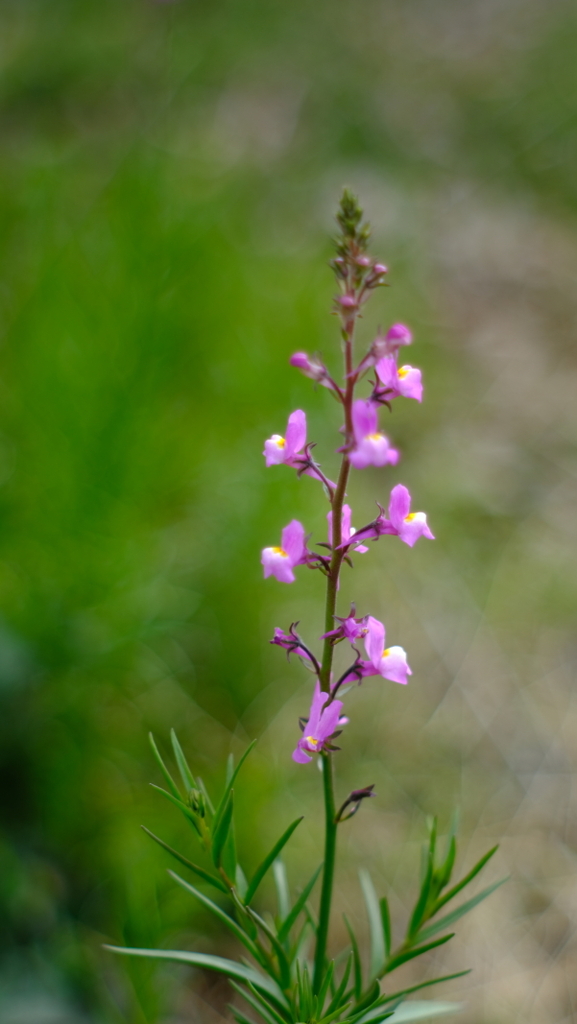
[
  {"x": 353, "y": 802},
  {"x": 197, "y": 802}
]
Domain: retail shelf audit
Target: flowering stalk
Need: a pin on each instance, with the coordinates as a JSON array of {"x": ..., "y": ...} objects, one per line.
[{"x": 285, "y": 987}]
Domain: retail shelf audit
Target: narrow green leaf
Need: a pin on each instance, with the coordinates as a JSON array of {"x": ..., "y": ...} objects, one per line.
[
  {"x": 204, "y": 791},
  {"x": 410, "y": 954},
  {"x": 288, "y": 922},
  {"x": 228, "y": 786},
  {"x": 465, "y": 881},
  {"x": 185, "y": 772},
  {"x": 377, "y": 961},
  {"x": 449, "y": 920},
  {"x": 445, "y": 871},
  {"x": 205, "y": 875},
  {"x": 220, "y": 913},
  {"x": 418, "y": 1010},
  {"x": 326, "y": 983},
  {"x": 229, "y": 768},
  {"x": 240, "y": 972},
  {"x": 283, "y": 963},
  {"x": 421, "y": 904},
  {"x": 220, "y": 834},
  {"x": 282, "y": 887},
  {"x": 386, "y": 923},
  {"x": 188, "y": 814},
  {"x": 229, "y": 852},
  {"x": 239, "y": 1016},
  {"x": 424, "y": 984},
  {"x": 336, "y": 1001},
  {"x": 269, "y": 859},
  {"x": 241, "y": 882},
  {"x": 358, "y": 974},
  {"x": 369, "y": 1000},
  {"x": 167, "y": 776},
  {"x": 259, "y": 1003},
  {"x": 331, "y": 1016}
]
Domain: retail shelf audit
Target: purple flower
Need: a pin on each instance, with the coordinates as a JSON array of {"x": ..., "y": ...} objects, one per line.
[
  {"x": 388, "y": 662},
  {"x": 350, "y": 628},
  {"x": 321, "y": 724},
  {"x": 403, "y": 523},
  {"x": 312, "y": 368},
  {"x": 370, "y": 448},
  {"x": 397, "y": 335},
  {"x": 347, "y": 531},
  {"x": 404, "y": 380},
  {"x": 284, "y": 449},
  {"x": 280, "y": 561}
]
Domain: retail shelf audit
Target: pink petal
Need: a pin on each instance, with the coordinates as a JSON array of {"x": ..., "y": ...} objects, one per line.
[
  {"x": 375, "y": 641},
  {"x": 293, "y": 541},
  {"x": 399, "y": 505},
  {"x": 394, "y": 665},
  {"x": 273, "y": 452},
  {"x": 387, "y": 371},
  {"x": 277, "y": 564},
  {"x": 299, "y": 755},
  {"x": 399, "y": 334},
  {"x": 365, "y": 418},
  {"x": 410, "y": 383},
  {"x": 296, "y": 433},
  {"x": 416, "y": 527}
]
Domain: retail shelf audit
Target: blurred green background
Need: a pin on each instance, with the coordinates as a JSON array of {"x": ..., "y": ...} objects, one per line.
[{"x": 168, "y": 177}]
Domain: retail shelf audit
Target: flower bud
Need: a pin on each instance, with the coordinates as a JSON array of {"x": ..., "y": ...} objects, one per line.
[{"x": 197, "y": 802}]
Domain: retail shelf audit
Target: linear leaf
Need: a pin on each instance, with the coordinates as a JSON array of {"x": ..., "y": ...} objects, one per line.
[
  {"x": 410, "y": 954},
  {"x": 358, "y": 974},
  {"x": 240, "y": 972},
  {"x": 220, "y": 913},
  {"x": 375, "y": 924},
  {"x": 338, "y": 996},
  {"x": 386, "y": 922},
  {"x": 178, "y": 803},
  {"x": 167, "y": 776},
  {"x": 220, "y": 835},
  {"x": 239, "y": 1016},
  {"x": 326, "y": 983},
  {"x": 465, "y": 881},
  {"x": 299, "y": 905},
  {"x": 269, "y": 859},
  {"x": 258, "y": 1003},
  {"x": 185, "y": 772},
  {"x": 205, "y": 875},
  {"x": 418, "y": 1010},
  {"x": 424, "y": 984},
  {"x": 281, "y": 886},
  {"x": 449, "y": 920},
  {"x": 204, "y": 791},
  {"x": 229, "y": 784}
]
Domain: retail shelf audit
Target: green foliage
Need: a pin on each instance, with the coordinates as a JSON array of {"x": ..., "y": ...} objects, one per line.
[{"x": 288, "y": 997}]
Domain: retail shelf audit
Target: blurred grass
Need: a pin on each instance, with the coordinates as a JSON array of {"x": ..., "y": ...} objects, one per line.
[{"x": 168, "y": 179}]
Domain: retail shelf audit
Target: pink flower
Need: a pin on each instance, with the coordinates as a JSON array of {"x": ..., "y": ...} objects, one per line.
[
  {"x": 278, "y": 450},
  {"x": 404, "y": 380},
  {"x": 312, "y": 368},
  {"x": 397, "y": 335},
  {"x": 347, "y": 531},
  {"x": 280, "y": 561},
  {"x": 386, "y": 345},
  {"x": 370, "y": 448},
  {"x": 403, "y": 523},
  {"x": 321, "y": 724},
  {"x": 388, "y": 662}
]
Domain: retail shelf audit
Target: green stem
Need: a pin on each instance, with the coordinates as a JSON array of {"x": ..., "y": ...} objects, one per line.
[
  {"x": 328, "y": 872},
  {"x": 325, "y": 673}
]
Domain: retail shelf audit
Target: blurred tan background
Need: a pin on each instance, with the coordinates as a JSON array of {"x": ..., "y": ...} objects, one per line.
[{"x": 169, "y": 176}]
